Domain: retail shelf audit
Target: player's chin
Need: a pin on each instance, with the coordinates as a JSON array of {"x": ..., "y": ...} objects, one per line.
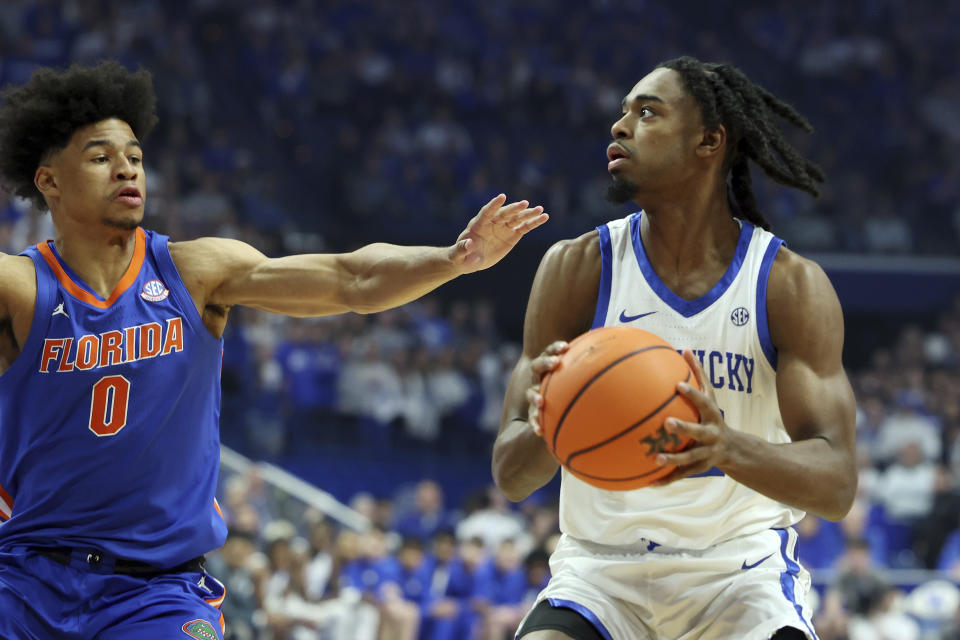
[
  {"x": 622, "y": 189},
  {"x": 128, "y": 222}
]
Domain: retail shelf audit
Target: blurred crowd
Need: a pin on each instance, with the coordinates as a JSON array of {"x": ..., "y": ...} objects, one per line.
[
  {"x": 422, "y": 570},
  {"x": 302, "y": 123},
  {"x": 303, "y": 126}
]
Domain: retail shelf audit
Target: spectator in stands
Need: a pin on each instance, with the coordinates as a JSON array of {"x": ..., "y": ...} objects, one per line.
[
  {"x": 909, "y": 423},
  {"x": 377, "y": 576},
  {"x": 490, "y": 519},
  {"x": 428, "y": 515},
  {"x": 501, "y": 591},
  {"x": 448, "y": 612},
  {"x": 231, "y": 565},
  {"x": 905, "y": 494},
  {"x": 819, "y": 542}
]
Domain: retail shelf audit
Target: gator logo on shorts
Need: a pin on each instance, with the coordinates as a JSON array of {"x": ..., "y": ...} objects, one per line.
[{"x": 200, "y": 629}]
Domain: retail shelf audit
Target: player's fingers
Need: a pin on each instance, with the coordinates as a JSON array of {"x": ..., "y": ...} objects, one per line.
[
  {"x": 542, "y": 365},
  {"x": 534, "y": 402},
  {"x": 685, "y": 458},
  {"x": 493, "y": 206},
  {"x": 698, "y": 372},
  {"x": 461, "y": 250},
  {"x": 670, "y": 478},
  {"x": 518, "y": 216},
  {"x": 530, "y": 223},
  {"x": 705, "y": 404},
  {"x": 508, "y": 212},
  {"x": 702, "y": 432},
  {"x": 557, "y": 347}
]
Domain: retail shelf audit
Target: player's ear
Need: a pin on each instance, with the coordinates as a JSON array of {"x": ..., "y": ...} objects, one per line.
[
  {"x": 46, "y": 181},
  {"x": 713, "y": 142}
]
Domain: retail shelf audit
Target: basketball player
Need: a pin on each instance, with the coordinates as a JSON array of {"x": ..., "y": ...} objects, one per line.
[
  {"x": 110, "y": 353},
  {"x": 708, "y": 553}
]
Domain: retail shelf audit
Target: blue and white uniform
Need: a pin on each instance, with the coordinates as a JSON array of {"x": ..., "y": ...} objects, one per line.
[{"x": 680, "y": 561}]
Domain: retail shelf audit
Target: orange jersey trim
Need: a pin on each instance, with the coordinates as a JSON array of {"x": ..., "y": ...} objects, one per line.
[
  {"x": 216, "y": 505},
  {"x": 216, "y": 602},
  {"x": 129, "y": 276}
]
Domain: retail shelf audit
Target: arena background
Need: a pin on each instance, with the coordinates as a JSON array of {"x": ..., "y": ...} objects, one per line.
[{"x": 320, "y": 126}]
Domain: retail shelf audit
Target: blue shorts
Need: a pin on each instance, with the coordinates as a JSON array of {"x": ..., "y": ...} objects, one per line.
[{"x": 42, "y": 599}]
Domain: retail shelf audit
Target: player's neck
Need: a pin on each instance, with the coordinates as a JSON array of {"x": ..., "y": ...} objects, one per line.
[
  {"x": 99, "y": 255},
  {"x": 689, "y": 233}
]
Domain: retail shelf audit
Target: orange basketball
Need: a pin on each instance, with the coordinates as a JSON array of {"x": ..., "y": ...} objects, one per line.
[{"x": 605, "y": 405}]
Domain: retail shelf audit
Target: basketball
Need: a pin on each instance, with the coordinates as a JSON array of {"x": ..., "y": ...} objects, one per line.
[{"x": 605, "y": 405}]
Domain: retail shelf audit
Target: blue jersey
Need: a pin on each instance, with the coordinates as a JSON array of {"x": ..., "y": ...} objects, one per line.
[{"x": 109, "y": 434}]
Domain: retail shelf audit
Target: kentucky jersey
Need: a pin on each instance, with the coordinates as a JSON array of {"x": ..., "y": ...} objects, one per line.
[
  {"x": 109, "y": 433},
  {"x": 727, "y": 330}
]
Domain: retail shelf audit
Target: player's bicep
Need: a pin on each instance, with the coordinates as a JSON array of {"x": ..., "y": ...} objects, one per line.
[
  {"x": 299, "y": 285},
  {"x": 815, "y": 404},
  {"x": 229, "y": 272},
  {"x": 806, "y": 325}
]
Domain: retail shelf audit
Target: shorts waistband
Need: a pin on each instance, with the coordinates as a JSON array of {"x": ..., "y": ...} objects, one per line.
[{"x": 105, "y": 563}]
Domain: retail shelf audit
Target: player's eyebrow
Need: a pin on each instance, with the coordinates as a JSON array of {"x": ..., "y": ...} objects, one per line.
[
  {"x": 107, "y": 143},
  {"x": 642, "y": 97}
]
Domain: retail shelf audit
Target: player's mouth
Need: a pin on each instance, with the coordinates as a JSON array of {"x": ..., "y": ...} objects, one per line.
[
  {"x": 617, "y": 156},
  {"x": 130, "y": 196}
]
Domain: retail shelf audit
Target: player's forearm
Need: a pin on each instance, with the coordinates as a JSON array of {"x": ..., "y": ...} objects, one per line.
[
  {"x": 521, "y": 462},
  {"x": 814, "y": 475},
  {"x": 383, "y": 276}
]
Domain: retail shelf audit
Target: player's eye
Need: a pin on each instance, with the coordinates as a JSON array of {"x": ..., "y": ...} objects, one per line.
[{"x": 646, "y": 111}]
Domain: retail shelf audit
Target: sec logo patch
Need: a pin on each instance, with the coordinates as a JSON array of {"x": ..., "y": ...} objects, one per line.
[{"x": 154, "y": 291}]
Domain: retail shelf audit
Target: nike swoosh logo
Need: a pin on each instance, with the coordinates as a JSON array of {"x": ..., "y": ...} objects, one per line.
[
  {"x": 746, "y": 566},
  {"x": 625, "y": 318}
]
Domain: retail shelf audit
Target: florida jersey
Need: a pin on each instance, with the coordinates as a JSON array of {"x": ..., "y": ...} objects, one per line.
[
  {"x": 109, "y": 432},
  {"x": 726, "y": 328}
]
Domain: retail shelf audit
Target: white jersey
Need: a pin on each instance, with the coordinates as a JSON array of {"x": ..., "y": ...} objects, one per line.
[{"x": 727, "y": 330}]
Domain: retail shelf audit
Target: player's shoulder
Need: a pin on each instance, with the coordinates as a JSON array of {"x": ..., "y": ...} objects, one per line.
[
  {"x": 793, "y": 275},
  {"x": 211, "y": 254},
  {"x": 573, "y": 252},
  {"x": 569, "y": 274},
  {"x": 801, "y": 300},
  {"x": 18, "y": 283},
  {"x": 15, "y": 270}
]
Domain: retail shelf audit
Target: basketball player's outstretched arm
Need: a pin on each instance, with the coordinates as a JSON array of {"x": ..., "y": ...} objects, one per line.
[
  {"x": 221, "y": 272},
  {"x": 561, "y": 307},
  {"x": 817, "y": 471}
]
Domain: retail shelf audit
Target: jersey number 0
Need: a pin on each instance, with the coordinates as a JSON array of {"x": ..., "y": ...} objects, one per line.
[{"x": 108, "y": 406}]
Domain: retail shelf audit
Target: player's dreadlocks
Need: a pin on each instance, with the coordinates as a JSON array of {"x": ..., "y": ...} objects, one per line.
[
  {"x": 40, "y": 117},
  {"x": 747, "y": 111}
]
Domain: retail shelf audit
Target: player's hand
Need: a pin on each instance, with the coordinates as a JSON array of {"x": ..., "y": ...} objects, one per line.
[
  {"x": 711, "y": 436},
  {"x": 541, "y": 366},
  {"x": 493, "y": 232}
]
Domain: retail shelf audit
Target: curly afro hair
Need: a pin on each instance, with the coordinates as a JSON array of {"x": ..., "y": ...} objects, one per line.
[{"x": 39, "y": 117}]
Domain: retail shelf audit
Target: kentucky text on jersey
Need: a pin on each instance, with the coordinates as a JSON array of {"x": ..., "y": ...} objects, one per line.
[
  {"x": 91, "y": 351},
  {"x": 737, "y": 367}
]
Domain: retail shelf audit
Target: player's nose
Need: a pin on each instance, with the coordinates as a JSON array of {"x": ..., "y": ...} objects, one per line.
[
  {"x": 620, "y": 129},
  {"x": 125, "y": 169}
]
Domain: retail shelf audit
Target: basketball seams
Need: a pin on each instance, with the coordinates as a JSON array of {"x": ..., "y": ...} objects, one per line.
[
  {"x": 586, "y": 385},
  {"x": 663, "y": 471},
  {"x": 602, "y": 443}
]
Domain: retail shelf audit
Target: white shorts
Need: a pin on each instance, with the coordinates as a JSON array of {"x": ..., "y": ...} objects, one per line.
[{"x": 746, "y": 588}]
